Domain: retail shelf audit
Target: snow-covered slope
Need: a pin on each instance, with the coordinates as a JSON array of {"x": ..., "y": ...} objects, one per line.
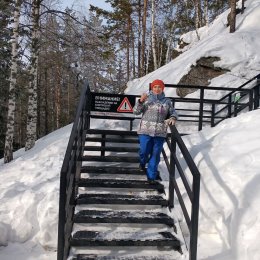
[
  {"x": 238, "y": 52},
  {"x": 227, "y": 156}
]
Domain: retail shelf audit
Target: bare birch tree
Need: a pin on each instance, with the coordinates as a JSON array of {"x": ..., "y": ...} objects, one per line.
[
  {"x": 206, "y": 12},
  {"x": 8, "y": 151},
  {"x": 153, "y": 37},
  {"x": 143, "y": 38},
  {"x": 197, "y": 13},
  {"x": 31, "y": 130}
]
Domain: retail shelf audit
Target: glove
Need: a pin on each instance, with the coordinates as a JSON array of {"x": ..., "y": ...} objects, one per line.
[{"x": 170, "y": 121}]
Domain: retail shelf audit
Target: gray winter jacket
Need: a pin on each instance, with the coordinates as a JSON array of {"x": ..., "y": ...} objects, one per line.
[{"x": 155, "y": 110}]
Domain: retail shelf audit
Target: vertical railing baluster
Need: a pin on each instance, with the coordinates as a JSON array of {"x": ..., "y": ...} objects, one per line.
[
  {"x": 251, "y": 100},
  {"x": 103, "y": 144},
  {"x": 172, "y": 171},
  {"x": 201, "y": 108},
  {"x": 213, "y": 109},
  {"x": 229, "y": 106},
  {"x": 194, "y": 218}
]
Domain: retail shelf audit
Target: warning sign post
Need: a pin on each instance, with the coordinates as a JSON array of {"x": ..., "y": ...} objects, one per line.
[{"x": 112, "y": 103}]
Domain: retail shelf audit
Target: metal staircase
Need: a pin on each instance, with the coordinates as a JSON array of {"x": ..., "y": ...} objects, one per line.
[
  {"x": 125, "y": 187},
  {"x": 102, "y": 189}
]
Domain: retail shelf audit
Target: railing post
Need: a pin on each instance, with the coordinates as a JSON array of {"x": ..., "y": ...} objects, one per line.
[
  {"x": 62, "y": 217},
  {"x": 131, "y": 124},
  {"x": 194, "y": 218},
  {"x": 229, "y": 105},
  {"x": 201, "y": 108},
  {"x": 213, "y": 109},
  {"x": 235, "y": 109},
  {"x": 172, "y": 171},
  {"x": 257, "y": 92},
  {"x": 251, "y": 100},
  {"x": 256, "y": 96},
  {"x": 103, "y": 144}
]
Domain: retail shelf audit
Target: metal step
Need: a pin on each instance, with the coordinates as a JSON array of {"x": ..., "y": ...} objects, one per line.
[
  {"x": 110, "y": 158},
  {"x": 109, "y": 216},
  {"x": 112, "y": 149},
  {"x": 121, "y": 199},
  {"x": 111, "y": 132},
  {"x": 112, "y": 140},
  {"x": 115, "y": 238},
  {"x": 113, "y": 183},
  {"x": 111, "y": 170},
  {"x": 96, "y": 257}
]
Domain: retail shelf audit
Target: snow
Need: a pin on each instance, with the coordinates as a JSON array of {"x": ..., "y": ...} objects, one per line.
[{"x": 228, "y": 157}]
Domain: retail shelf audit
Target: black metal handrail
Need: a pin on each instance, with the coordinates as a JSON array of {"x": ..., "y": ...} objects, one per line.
[
  {"x": 231, "y": 107},
  {"x": 209, "y": 115},
  {"x": 70, "y": 172},
  {"x": 175, "y": 141}
]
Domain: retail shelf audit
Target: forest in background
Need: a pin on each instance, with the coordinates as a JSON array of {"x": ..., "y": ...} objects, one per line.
[{"x": 46, "y": 53}]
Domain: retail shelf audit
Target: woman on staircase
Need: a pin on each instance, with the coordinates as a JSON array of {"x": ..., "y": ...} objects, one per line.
[{"x": 157, "y": 113}]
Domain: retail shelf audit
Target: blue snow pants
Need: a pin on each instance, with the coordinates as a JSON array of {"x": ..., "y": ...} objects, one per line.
[{"x": 150, "y": 151}]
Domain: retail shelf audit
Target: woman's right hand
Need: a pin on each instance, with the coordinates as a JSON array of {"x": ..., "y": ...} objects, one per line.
[{"x": 143, "y": 97}]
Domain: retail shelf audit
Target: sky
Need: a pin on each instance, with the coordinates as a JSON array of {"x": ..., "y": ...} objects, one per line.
[
  {"x": 228, "y": 157},
  {"x": 83, "y": 5}
]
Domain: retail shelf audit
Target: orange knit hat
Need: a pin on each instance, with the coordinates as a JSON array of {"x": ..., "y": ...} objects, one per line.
[{"x": 158, "y": 82}]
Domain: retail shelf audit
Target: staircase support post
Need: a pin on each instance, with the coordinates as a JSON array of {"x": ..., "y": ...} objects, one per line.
[
  {"x": 257, "y": 92},
  {"x": 194, "y": 218},
  {"x": 229, "y": 105},
  {"x": 172, "y": 171}
]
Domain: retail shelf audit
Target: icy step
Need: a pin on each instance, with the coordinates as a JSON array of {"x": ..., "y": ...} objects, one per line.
[
  {"x": 112, "y": 140},
  {"x": 111, "y": 149},
  {"x": 121, "y": 199},
  {"x": 132, "y": 159},
  {"x": 114, "y": 238},
  {"x": 109, "y": 216},
  {"x": 96, "y": 257},
  {"x": 111, "y": 170},
  {"x": 113, "y": 183},
  {"x": 121, "y": 133}
]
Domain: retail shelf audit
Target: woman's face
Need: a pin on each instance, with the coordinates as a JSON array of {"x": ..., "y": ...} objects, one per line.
[{"x": 157, "y": 89}]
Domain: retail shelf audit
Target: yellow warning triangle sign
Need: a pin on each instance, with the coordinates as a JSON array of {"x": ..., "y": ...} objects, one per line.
[{"x": 125, "y": 106}]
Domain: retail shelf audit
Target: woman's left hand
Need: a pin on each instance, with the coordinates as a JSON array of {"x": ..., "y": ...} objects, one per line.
[{"x": 170, "y": 121}]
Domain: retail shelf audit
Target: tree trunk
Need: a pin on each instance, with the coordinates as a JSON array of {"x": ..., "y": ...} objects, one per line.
[
  {"x": 128, "y": 47},
  {"x": 232, "y": 20},
  {"x": 206, "y": 12},
  {"x": 133, "y": 49},
  {"x": 31, "y": 130},
  {"x": 139, "y": 39},
  {"x": 8, "y": 150},
  {"x": 169, "y": 45},
  {"x": 198, "y": 19},
  {"x": 147, "y": 59},
  {"x": 58, "y": 98},
  {"x": 243, "y": 6},
  {"x": 46, "y": 107},
  {"x": 155, "y": 63},
  {"x": 143, "y": 39},
  {"x": 161, "y": 46}
]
